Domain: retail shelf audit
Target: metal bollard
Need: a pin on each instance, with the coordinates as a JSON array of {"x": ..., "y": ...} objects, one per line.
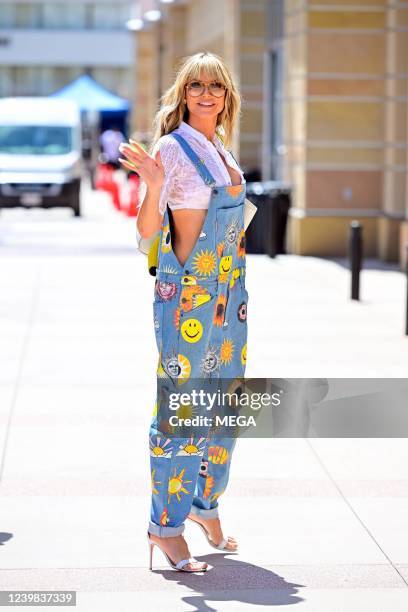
[
  {"x": 406, "y": 306},
  {"x": 355, "y": 254}
]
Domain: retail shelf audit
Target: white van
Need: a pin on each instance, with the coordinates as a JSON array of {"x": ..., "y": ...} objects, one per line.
[{"x": 40, "y": 153}]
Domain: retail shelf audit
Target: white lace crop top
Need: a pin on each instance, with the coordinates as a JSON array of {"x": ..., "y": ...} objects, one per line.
[{"x": 183, "y": 187}]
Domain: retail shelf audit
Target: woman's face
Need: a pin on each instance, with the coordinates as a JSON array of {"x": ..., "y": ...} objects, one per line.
[{"x": 205, "y": 105}]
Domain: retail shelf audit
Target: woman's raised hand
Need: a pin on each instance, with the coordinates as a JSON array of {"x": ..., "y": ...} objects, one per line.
[{"x": 138, "y": 160}]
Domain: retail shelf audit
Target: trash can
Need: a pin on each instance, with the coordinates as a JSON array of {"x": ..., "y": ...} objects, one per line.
[{"x": 267, "y": 231}]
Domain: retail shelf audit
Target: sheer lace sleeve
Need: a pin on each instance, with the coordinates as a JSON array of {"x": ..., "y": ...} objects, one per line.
[{"x": 170, "y": 157}]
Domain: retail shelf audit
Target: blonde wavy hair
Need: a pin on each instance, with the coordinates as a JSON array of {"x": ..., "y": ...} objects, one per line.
[{"x": 173, "y": 110}]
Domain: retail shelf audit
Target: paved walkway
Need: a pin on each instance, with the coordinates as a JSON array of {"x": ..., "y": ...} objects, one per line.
[{"x": 322, "y": 523}]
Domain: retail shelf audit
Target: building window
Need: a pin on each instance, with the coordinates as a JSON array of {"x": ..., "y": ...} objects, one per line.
[
  {"x": 35, "y": 80},
  {"x": 64, "y": 17},
  {"x": 53, "y": 15},
  {"x": 108, "y": 17},
  {"x": 8, "y": 15},
  {"x": 6, "y": 81},
  {"x": 20, "y": 15}
]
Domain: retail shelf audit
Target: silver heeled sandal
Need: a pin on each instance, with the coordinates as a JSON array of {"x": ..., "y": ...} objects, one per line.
[
  {"x": 180, "y": 566},
  {"x": 221, "y": 546}
]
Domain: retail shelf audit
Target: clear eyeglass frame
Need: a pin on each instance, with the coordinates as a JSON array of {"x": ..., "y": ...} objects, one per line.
[{"x": 215, "y": 88}]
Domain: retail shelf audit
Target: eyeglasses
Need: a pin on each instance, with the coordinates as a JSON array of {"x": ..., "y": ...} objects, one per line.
[{"x": 197, "y": 88}]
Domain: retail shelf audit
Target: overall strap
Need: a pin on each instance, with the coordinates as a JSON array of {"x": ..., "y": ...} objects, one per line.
[{"x": 198, "y": 163}]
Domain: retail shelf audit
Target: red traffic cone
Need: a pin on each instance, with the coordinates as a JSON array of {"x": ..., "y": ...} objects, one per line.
[
  {"x": 134, "y": 184},
  {"x": 103, "y": 176},
  {"x": 114, "y": 192}
]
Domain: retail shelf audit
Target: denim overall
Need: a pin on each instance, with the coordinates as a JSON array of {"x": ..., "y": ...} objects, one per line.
[{"x": 200, "y": 322}]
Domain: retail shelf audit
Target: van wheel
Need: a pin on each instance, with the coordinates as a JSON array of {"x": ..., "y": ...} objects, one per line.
[{"x": 75, "y": 202}]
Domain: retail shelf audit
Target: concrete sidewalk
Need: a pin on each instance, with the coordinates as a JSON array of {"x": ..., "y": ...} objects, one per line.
[{"x": 321, "y": 522}]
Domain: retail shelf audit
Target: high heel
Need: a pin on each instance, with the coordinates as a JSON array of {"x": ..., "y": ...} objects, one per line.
[
  {"x": 151, "y": 545},
  {"x": 180, "y": 566},
  {"x": 221, "y": 546}
]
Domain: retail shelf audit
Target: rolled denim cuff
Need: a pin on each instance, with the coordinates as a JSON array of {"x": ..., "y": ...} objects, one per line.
[
  {"x": 165, "y": 532},
  {"x": 211, "y": 513}
]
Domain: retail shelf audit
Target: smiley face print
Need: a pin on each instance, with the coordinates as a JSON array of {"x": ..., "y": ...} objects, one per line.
[
  {"x": 191, "y": 330},
  {"x": 225, "y": 264},
  {"x": 244, "y": 355}
]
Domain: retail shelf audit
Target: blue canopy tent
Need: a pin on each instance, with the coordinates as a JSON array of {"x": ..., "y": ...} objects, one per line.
[
  {"x": 91, "y": 96},
  {"x": 100, "y": 110}
]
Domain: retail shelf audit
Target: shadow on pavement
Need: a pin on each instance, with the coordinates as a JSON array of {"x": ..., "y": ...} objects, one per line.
[
  {"x": 367, "y": 264},
  {"x": 235, "y": 581}
]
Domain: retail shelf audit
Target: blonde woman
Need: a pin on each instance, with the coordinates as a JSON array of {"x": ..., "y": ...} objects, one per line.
[{"x": 194, "y": 193}]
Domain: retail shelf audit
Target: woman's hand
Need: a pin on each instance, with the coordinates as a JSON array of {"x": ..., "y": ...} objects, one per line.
[{"x": 138, "y": 160}]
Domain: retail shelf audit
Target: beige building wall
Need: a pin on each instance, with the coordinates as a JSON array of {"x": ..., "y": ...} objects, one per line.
[
  {"x": 146, "y": 83},
  {"x": 346, "y": 129}
]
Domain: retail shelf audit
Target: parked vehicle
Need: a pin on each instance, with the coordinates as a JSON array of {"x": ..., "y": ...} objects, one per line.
[{"x": 40, "y": 153}]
